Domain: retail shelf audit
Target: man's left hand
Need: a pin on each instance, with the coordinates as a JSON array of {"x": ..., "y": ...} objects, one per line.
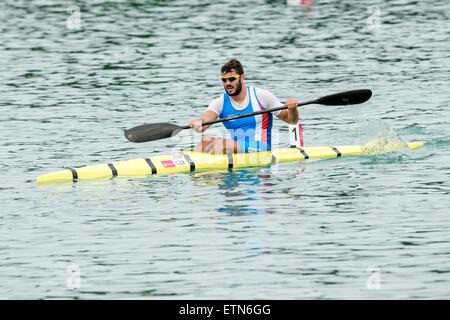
[{"x": 291, "y": 104}]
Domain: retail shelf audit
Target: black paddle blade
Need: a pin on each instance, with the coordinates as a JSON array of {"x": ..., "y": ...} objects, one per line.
[
  {"x": 346, "y": 97},
  {"x": 152, "y": 131}
]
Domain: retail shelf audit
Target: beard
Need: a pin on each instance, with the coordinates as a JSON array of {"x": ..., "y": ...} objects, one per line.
[{"x": 236, "y": 91}]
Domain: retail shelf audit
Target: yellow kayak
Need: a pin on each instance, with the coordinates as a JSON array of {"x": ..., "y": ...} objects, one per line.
[{"x": 189, "y": 161}]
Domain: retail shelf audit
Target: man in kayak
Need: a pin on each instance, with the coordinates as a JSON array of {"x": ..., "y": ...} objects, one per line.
[{"x": 249, "y": 134}]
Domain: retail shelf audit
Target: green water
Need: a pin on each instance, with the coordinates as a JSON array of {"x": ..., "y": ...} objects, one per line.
[{"x": 370, "y": 227}]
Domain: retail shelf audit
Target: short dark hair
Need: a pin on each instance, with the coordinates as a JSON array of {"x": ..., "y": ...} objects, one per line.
[{"x": 231, "y": 65}]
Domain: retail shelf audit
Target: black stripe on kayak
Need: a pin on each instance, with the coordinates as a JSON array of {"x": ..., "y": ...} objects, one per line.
[
  {"x": 274, "y": 159},
  {"x": 151, "y": 165},
  {"x": 191, "y": 163},
  {"x": 74, "y": 174},
  {"x": 230, "y": 161},
  {"x": 293, "y": 146},
  {"x": 337, "y": 151},
  {"x": 304, "y": 153},
  {"x": 113, "y": 169}
]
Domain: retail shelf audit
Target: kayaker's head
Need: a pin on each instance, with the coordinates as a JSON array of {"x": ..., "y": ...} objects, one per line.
[{"x": 232, "y": 77}]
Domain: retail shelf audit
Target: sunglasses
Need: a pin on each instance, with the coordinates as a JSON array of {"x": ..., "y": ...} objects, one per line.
[{"x": 231, "y": 79}]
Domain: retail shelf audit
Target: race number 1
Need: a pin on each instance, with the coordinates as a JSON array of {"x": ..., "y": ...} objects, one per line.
[{"x": 296, "y": 135}]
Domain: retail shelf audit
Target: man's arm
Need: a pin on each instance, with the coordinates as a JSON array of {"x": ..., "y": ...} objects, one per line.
[
  {"x": 197, "y": 123},
  {"x": 270, "y": 101},
  {"x": 290, "y": 115}
]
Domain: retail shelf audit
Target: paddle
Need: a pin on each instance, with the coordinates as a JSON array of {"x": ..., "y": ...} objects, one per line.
[{"x": 156, "y": 131}]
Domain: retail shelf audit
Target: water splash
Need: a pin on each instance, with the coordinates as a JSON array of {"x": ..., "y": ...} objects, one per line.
[{"x": 383, "y": 139}]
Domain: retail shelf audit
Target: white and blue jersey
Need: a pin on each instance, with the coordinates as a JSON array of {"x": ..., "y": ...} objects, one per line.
[{"x": 252, "y": 133}]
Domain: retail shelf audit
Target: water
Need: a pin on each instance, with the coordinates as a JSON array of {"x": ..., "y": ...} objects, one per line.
[{"x": 370, "y": 227}]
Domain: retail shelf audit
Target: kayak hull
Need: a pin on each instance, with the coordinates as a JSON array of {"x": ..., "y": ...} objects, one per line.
[{"x": 189, "y": 161}]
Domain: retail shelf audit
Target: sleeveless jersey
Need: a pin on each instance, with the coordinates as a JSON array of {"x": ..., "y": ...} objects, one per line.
[{"x": 249, "y": 129}]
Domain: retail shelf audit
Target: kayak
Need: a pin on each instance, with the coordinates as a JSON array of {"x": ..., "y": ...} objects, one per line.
[{"x": 190, "y": 161}]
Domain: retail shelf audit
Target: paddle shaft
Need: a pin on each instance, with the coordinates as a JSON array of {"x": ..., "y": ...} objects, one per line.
[
  {"x": 156, "y": 131},
  {"x": 250, "y": 114}
]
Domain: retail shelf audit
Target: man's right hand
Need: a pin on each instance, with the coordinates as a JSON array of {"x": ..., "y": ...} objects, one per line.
[{"x": 197, "y": 124}]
